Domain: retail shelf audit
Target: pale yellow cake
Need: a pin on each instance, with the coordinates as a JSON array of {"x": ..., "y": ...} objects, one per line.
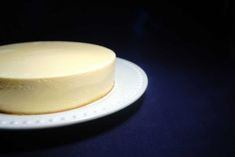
[{"x": 53, "y": 76}]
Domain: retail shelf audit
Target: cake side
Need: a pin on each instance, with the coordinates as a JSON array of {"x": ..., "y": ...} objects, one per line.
[
  {"x": 61, "y": 110},
  {"x": 38, "y": 96}
]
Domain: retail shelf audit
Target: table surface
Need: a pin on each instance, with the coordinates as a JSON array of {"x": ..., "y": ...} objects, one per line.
[{"x": 187, "y": 109}]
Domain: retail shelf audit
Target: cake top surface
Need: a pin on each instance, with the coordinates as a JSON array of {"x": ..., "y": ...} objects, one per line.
[{"x": 51, "y": 59}]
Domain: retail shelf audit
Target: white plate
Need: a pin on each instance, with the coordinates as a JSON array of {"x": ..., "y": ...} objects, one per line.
[{"x": 130, "y": 83}]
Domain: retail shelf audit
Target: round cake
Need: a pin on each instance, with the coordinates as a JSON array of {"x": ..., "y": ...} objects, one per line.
[{"x": 53, "y": 76}]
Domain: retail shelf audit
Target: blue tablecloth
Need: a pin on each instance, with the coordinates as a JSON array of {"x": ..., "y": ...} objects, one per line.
[{"x": 186, "y": 111}]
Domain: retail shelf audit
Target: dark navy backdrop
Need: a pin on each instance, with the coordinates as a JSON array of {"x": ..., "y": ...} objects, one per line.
[{"x": 186, "y": 51}]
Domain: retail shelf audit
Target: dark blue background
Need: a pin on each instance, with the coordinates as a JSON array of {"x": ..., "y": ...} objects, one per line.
[{"x": 187, "y": 53}]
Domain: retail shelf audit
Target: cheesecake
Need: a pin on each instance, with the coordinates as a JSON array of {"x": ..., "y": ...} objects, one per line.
[{"x": 53, "y": 76}]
